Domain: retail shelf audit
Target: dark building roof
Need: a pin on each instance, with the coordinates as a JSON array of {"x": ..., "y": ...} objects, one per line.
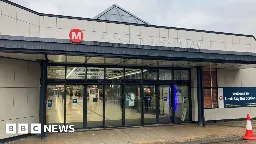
[{"x": 118, "y": 14}]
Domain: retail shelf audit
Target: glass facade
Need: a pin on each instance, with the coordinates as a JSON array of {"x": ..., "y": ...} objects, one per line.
[{"x": 91, "y": 97}]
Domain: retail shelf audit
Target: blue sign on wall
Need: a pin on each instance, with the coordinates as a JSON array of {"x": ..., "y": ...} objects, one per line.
[{"x": 239, "y": 97}]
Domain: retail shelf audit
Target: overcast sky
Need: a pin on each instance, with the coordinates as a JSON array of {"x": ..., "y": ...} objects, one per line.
[{"x": 236, "y": 16}]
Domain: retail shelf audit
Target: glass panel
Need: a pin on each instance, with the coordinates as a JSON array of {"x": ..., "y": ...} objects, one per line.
[
  {"x": 165, "y": 104},
  {"x": 209, "y": 77},
  {"x": 132, "y": 105},
  {"x": 74, "y": 105},
  {"x": 113, "y": 17},
  {"x": 55, "y": 104},
  {"x": 114, "y": 73},
  {"x": 56, "y": 72},
  {"x": 133, "y": 74},
  {"x": 150, "y": 74},
  {"x": 76, "y": 72},
  {"x": 149, "y": 104},
  {"x": 57, "y": 58},
  {"x": 113, "y": 105},
  {"x": 181, "y": 75},
  {"x": 210, "y": 98},
  {"x": 165, "y": 74},
  {"x": 121, "y": 12},
  {"x": 129, "y": 19},
  {"x": 76, "y": 59},
  {"x": 95, "y": 73},
  {"x": 95, "y": 106},
  {"x": 183, "y": 104}
]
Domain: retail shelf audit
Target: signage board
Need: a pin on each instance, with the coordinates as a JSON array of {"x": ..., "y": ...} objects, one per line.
[
  {"x": 238, "y": 97},
  {"x": 76, "y": 35}
]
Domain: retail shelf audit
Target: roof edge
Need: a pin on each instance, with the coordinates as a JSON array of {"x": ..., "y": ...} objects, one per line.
[{"x": 90, "y": 19}]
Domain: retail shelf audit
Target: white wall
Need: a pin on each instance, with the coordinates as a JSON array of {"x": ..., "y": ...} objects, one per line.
[
  {"x": 18, "y": 22},
  {"x": 19, "y": 93},
  {"x": 233, "y": 78}
]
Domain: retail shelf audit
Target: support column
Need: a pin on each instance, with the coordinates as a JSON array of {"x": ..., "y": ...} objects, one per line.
[
  {"x": 43, "y": 91},
  {"x": 200, "y": 95}
]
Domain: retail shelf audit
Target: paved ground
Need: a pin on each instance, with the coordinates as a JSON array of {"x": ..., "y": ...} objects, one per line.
[{"x": 189, "y": 133}]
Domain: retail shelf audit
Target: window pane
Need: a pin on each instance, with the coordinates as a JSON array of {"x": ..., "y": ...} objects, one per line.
[
  {"x": 207, "y": 98},
  {"x": 150, "y": 74},
  {"x": 165, "y": 74},
  {"x": 113, "y": 105},
  {"x": 149, "y": 104},
  {"x": 132, "y": 105},
  {"x": 76, "y": 72},
  {"x": 181, "y": 75},
  {"x": 133, "y": 74},
  {"x": 55, "y": 104},
  {"x": 95, "y": 73},
  {"x": 215, "y": 98},
  {"x": 56, "y": 72},
  {"x": 209, "y": 77},
  {"x": 114, "y": 73}
]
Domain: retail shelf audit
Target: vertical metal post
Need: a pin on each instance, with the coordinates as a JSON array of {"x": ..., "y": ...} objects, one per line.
[
  {"x": 142, "y": 103},
  {"x": 189, "y": 97},
  {"x": 172, "y": 98},
  {"x": 104, "y": 100},
  {"x": 123, "y": 99},
  {"x": 85, "y": 107},
  {"x": 65, "y": 97},
  {"x": 157, "y": 103},
  {"x": 200, "y": 95},
  {"x": 173, "y": 104},
  {"x": 43, "y": 89},
  {"x": 104, "y": 106}
]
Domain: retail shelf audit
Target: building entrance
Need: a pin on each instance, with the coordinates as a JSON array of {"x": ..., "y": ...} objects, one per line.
[{"x": 90, "y": 97}]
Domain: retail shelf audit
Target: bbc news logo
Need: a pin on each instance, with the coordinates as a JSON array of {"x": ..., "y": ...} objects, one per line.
[{"x": 35, "y": 128}]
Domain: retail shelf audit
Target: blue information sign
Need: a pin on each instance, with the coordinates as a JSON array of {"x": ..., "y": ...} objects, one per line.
[
  {"x": 49, "y": 103},
  {"x": 74, "y": 100},
  {"x": 239, "y": 97}
]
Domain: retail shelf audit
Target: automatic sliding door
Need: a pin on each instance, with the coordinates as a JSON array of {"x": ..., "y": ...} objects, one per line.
[
  {"x": 149, "y": 104},
  {"x": 95, "y": 106},
  {"x": 165, "y": 104},
  {"x": 55, "y": 104},
  {"x": 113, "y": 105},
  {"x": 132, "y": 105},
  {"x": 74, "y": 105}
]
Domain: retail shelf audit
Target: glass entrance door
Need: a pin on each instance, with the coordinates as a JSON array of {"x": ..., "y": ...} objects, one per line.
[
  {"x": 95, "y": 106},
  {"x": 74, "y": 105},
  {"x": 165, "y": 104},
  {"x": 55, "y": 104}
]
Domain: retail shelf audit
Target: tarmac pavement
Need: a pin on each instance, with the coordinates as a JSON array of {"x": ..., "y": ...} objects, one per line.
[{"x": 222, "y": 132}]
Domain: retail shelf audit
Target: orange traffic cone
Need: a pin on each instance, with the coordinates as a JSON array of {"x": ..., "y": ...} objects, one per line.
[{"x": 249, "y": 135}]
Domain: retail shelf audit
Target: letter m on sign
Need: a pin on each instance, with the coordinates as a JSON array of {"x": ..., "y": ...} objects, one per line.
[{"x": 76, "y": 35}]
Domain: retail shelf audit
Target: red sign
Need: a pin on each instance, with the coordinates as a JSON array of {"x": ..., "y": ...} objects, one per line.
[
  {"x": 76, "y": 35},
  {"x": 220, "y": 98}
]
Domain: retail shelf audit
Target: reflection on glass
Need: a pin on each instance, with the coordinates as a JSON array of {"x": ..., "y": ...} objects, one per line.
[
  {"x": 113, "y": 105},
  {"x": 181, "y": 75},
  {"x": 165, "y": 104},
  {"x": 76, "y": 72},
  {"x": 183, "y": 103},
  {"x": 95, "y": 106},
  {"x": 133, "y": 74},
  {"x": 95, "y": 73},
  {"x": 149, "y": 104},
  {"x": 165, "y": 74},
  {"x": 55, "y": 104},
  {"x": 132, "y": 105},
  {"x": 56, "y": 72},
  {"x": 74, "y": 105},
  {"x": 150, "y": 74},
  {"x": 114, "y": 73}
]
